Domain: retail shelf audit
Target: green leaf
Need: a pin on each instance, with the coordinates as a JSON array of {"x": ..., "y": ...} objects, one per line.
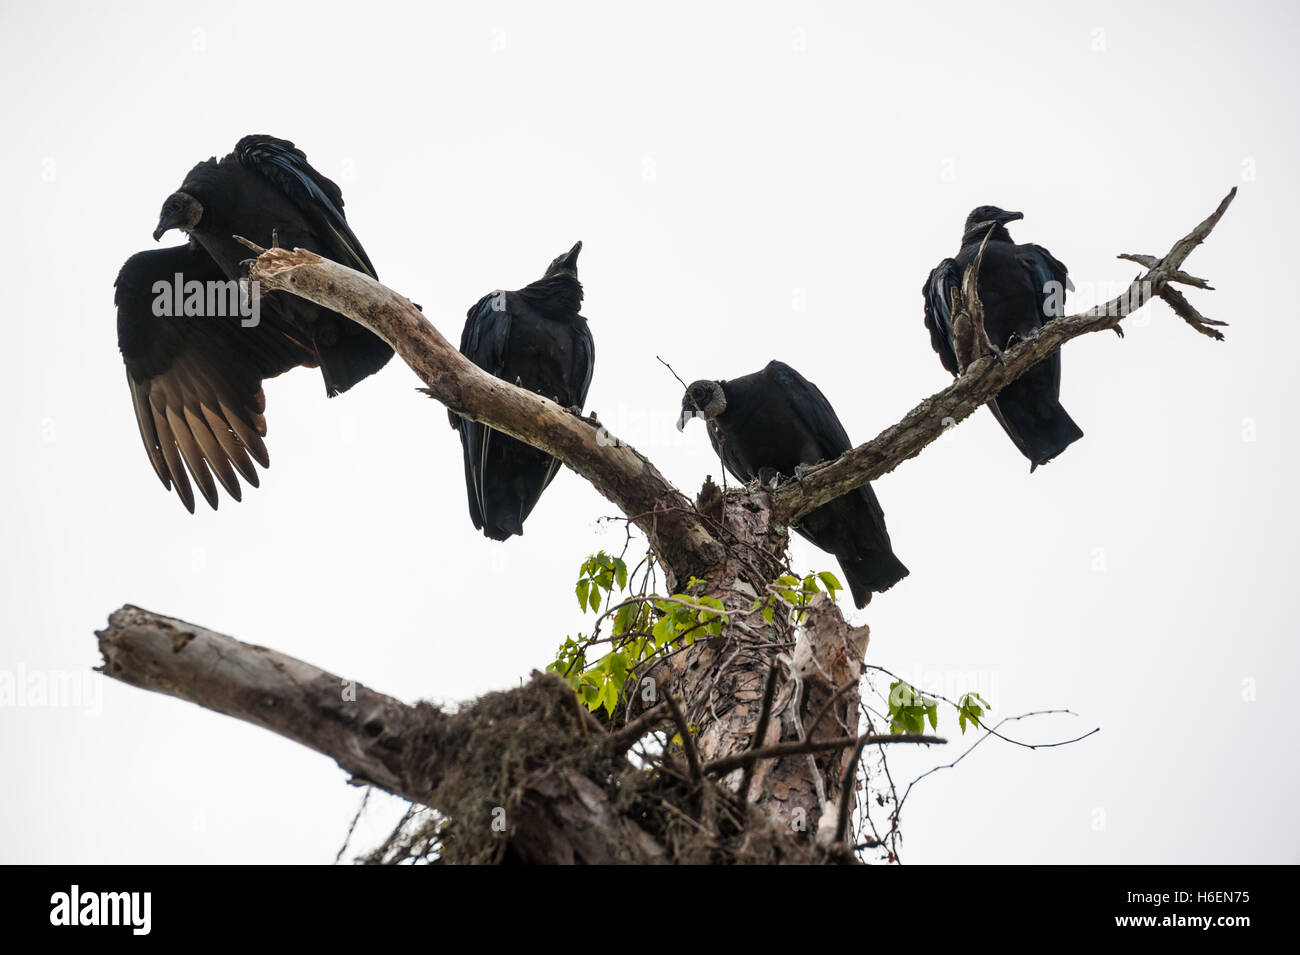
[
  {"x": 620, "y": 573},
  {"x": 663, "y": 631},
  {"x": 581, "y": 590},
  {"x": 610, "y": 699},
  {"x": 617, "y": 668}
]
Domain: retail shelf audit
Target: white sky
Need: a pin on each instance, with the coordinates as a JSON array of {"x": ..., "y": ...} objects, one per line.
[{"x": 750, "y": 181}]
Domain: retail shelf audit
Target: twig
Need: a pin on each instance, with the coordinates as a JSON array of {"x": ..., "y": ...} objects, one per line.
[
  {"x": 984, "y": 726},
  {"x": 799, "y": 747},
  {"x": 675, "y": 375},
  {"x": 365, "y": 798},
  {"x": 627, "y": 737},
  {"x": 688, "y": 743},
  {"x": 993, "y": 732},
  {"x": 1151, "y": 262},
  {"x": 1188, "y": 313},
  {"x": 760, "y": 731},
  {"x": 846, "y": 792}
]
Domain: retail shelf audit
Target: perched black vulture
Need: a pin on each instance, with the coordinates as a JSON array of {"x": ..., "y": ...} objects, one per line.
[
  {"x": 267, "y": 188},
  {"x": 1021, "y": 287},
  {"x": 535, "y": 339},
  {"x": 196, "y": 380},
  {"x": 776, "y": 421}
]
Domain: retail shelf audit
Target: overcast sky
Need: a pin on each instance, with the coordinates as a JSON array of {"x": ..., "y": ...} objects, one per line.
[{"x": 750, "y": 181}]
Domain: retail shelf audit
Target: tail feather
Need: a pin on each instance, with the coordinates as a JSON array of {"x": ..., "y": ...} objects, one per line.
[
  {"x": 874, "y": 573},
  {"x": 1032, "y": 416},
  {"x": 351, "y": 359},
  {"x": 512, "y": 478}
]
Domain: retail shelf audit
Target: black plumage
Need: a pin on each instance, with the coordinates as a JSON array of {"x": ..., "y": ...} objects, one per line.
[
  {"x": 775, "y": 421},
  {"x": 1021, "y": 287},
  {"x": 266, "y": 190},
  {"x": 534, "y": 338},
  {"x": 196, "y": 380}
]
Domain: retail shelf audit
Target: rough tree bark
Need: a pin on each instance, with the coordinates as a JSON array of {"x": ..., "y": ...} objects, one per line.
[{"x": 774, "y": 708}]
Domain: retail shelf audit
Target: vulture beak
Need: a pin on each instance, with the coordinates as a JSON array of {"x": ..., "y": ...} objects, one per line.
[
  {"x": 570, "y": 259},
  {"x": 686, "y": 415},
  {"x": 180, "y": 211},
  {"x": 1010, "y": 217}
]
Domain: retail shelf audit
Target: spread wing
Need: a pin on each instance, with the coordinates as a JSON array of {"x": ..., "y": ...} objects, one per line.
[
  {"x": 196, "y": 382},
  {"x": 938, "y": 291},
  {"x": 317, "y": 196}
]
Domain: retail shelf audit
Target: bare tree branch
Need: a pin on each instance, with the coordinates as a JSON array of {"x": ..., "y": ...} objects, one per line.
[
  {"x": 801, "y": 747},
  {"x": 374, "y": 737},
  {"x": 614, "y": 468},
  {"x": 987, "y": 376},
  {"x": 626, "y": 477},
  {"x": 363, "y": 731},
  {"x": 556, "y": 807},
  {"x": 556, "y": 785}
]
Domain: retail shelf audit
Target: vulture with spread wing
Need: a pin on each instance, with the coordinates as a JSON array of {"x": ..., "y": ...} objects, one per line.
[
  {"x": 267, "y": 192},
  {"x": 195, "y": 374}
]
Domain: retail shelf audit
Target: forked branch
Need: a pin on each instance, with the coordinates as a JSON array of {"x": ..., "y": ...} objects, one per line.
[{"x": 986, "y": 376}]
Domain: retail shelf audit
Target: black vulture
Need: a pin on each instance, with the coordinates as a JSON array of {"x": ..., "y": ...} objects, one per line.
[
  {"x": 1021, "y": 287},
  {"x": 776, "y": 421},
  {"x": 536, "y": 339},
  {"x": 266, "y": 190},
  {"x": 196, "y": 379}
]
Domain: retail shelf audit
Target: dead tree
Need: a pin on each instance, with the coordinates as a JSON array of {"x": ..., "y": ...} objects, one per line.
[{"x": 765, "y": 714}]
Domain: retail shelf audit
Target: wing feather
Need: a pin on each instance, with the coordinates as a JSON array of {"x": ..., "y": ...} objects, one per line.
[
  {"x": 937, "y": 291},
  {"x": 196, "y": 382},
  {"x": 316, "y": 195}
]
